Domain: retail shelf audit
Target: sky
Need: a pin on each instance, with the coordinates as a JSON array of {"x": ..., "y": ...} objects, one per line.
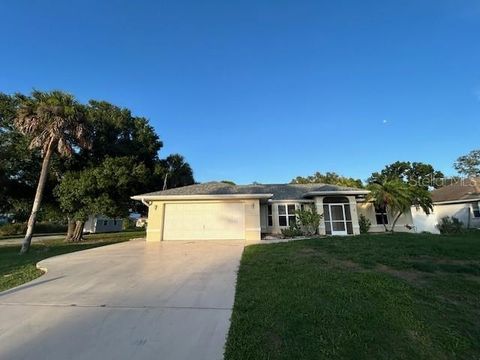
[{"x": 265, "y": 90}]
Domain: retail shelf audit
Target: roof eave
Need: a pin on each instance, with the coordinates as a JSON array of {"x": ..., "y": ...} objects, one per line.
[
  {"x": 201, "y": 197},
  {"x": 336, "y": 192},
  {"x": 446, "y": 202}
]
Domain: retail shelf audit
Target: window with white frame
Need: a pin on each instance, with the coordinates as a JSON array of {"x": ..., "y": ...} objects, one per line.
[
  {"x": 269, "y": 215},
  {"x": 476, "y": 209},
  {"x": 381, "y": 215},
  {"x": 286, "y": 215}
]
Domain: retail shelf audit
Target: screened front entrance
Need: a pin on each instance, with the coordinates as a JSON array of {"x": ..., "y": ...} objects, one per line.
[{"x": 337, "y": 216}]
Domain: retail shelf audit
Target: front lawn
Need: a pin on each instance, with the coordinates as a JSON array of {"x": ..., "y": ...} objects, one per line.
[
  {"x": 367, "y": 297},
  {"x": 17, "y": 269}
]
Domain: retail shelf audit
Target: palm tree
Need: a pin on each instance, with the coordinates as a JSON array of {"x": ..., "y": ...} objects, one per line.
[
  {"x": 55, "y": 123},
  {"x": 177, "y": 172},
  {"x": 394, "y": 196}
]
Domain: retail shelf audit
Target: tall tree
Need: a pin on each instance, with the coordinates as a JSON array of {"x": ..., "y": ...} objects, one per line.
[
  {"x": 401, "y": 185},
  {"x": 469, "y": 165},
  {"x": 175, "y": 171},
  {"x": 55, "y": 123},
  {"x": 414, "y": 173},
  {"x": 104, "y": 189},
  {"x": 328, "y": 178}
]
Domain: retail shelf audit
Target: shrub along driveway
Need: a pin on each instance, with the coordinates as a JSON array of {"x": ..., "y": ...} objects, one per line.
[
  {"x": 131, "y": 300},
  {"x": 367, "y": 297}
]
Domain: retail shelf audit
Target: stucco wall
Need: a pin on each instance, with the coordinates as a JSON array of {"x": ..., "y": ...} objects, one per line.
[
  {"x": 275, "y": 228},
  {"x": 156, "y": 214},
  {"x": 368, "y": 210},
  {"x": 461, "y": 211}
]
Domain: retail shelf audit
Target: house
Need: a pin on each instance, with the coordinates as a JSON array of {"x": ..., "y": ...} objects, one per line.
[
  {"x": 460, "y": 200},
  {"x": 220, "y": 211},
  {"x": 101, "y": 224}
]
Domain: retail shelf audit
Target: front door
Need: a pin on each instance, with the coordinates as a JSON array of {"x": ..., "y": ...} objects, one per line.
[{"x": 336, "y": 218}]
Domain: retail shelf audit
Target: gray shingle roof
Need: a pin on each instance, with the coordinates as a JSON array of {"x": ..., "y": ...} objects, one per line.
[
  {"x": 465, "y": 189},
  {"x": 279, "y": 191}
]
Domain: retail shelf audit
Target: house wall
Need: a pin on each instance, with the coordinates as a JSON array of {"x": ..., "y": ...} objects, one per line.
[
  {"x": 276, "y": 228},
  {"x": 461, "y": 211},
  {"x": 368, "y": 210},
  {"x": 156, "y": 217},
  {"x": 424, "y": 222}
]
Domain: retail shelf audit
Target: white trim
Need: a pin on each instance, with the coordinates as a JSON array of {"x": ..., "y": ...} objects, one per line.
[
  {"x": 341, "y": 192},
  {"x": 143, "y": 198},
  {"x": 287, "y": 214},
  {"x": 455, "y": 201},
  {"x": 292, "y": 201}
]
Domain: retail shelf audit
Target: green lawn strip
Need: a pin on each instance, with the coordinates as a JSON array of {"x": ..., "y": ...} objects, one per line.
[
  {"x": 358, "y": 298},
  {"x": 17, "y": 269}
]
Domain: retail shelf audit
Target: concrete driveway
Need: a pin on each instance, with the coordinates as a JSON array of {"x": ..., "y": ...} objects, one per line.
[{"x": 134, "y": 300}]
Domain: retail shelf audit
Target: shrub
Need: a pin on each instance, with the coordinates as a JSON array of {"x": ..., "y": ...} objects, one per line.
[
  {"x": 450, "y": 225},
  {"x": 292, "y": 231},
  {"x": 364, "y": 224},
  {"x": 12, "y": 229},
  {"x": 40, "y": 228},
  {"x": 308, "y": 220}
]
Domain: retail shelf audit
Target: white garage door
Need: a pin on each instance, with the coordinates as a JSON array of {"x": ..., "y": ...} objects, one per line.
[{"x": 204, "y": 221}]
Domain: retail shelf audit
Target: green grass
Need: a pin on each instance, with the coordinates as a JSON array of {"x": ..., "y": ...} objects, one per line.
[
  {"x": 17, "y": 269},
  {"x": 367, "y": 297}
]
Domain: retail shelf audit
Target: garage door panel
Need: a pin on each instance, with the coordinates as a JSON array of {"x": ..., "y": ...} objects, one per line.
[{"x": 204, "y": 221}]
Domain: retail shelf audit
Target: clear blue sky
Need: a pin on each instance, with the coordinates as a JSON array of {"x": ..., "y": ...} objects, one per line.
[{"x": 265, "y": 90}]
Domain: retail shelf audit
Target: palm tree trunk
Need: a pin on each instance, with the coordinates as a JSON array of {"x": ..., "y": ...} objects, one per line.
[
  {"x": 37, "y": 201},
  {"x": 395, "y": 221}
]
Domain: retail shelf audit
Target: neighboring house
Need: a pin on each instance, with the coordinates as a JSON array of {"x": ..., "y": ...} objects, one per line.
[
  {"x": 101, "y": 224},
  {"x": 220, "y": 211},
  {"x": 460, "y": 200}
]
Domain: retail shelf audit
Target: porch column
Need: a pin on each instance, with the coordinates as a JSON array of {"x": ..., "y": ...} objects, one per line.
[
  {"x": 319, "y": 206},
  {"x": 353, "y": 209}
]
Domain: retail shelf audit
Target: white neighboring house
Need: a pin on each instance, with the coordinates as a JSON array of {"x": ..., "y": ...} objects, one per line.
[
  {"x": 102, "y": 224},
  {"x": 460, "y": 200}
]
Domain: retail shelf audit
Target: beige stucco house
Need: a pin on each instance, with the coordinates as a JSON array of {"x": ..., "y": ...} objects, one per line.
[
  {"x": 220, "y": 211},
  {"x": 460, "y": 200}
]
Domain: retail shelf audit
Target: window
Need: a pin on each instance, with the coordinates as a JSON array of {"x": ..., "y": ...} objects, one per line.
[
  {"x": 381, "y": 215},
  {"x": 105, "y": 222},
  {"x": 286, "y": 215},
  {"x": 476, "y": 209},
  {"x": 115, "y": 222},
  {"x": 269, "y": 215}
]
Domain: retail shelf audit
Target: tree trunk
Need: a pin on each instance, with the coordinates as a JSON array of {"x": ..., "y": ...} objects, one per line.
[
  {"x": 78, "y": 232},
  {"x": 37, "y": 201},
  {"x": 383, "y": 218},
  {"x": 70, "y": 229},
  {"x": 395, "y": 221}
]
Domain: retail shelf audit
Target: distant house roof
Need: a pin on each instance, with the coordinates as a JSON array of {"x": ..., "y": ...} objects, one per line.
[
  {"x": 464, "y": 190},
  {"x": 275, "y": 191}
]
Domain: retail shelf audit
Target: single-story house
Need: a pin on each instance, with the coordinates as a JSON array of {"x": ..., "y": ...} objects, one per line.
[
  {"x": 220, "y": 211},
  {"x": 102, "y": 224},
  {"x": 460, "y": 200}
]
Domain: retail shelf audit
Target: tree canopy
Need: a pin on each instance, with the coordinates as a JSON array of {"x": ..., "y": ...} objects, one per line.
[
  {"x": 122, "y": 159},
  {"x": 469, "y": 164},
  {"x": 328, "y": 178},
  {"x": 401, "y": 185},
  {"x": 414, "y": 173}
]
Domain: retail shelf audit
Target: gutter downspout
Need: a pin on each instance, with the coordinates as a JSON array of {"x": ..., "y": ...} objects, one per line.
[{"x": 146, "y": 203}]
